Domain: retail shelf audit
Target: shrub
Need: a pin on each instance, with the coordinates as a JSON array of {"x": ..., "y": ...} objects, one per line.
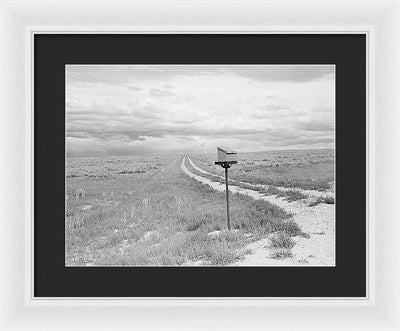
[
  {"x": 313, "y": 203},
  {"x": 328, "y": 200},
  {"x": 221, "y": 253},
  {"x": 292, "y": 195},
  {"x": 291, "y": 228},
  {"x": 263, "y": 217},
  {"x": 282, "y": 240},
  {"x": 281, "y": 254},
  {"x": 195, "y": 221},
  {"x": 195, "y": 224},
  {"x": 266, "y": 212},
  {"x": 69, "y": 213}
]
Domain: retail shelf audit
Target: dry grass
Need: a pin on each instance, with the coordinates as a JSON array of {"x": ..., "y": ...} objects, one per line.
[
  {"x": 289, "y": 195},
  {"x": 307, "y": 169},
  {"x": 161, "y": 217},
  {"x": 282, "y": 240},
  {"x": 281, "y": 254},
  {"x": 328, "y": 200}
]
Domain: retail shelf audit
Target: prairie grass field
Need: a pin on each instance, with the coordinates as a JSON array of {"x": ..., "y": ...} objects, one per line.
[
  {"x": 311, "y": 169},
  {"x": 137, "y": 211}
]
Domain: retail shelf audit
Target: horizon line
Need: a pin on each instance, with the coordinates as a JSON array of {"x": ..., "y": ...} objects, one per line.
[{"x": 186, "y": 153}]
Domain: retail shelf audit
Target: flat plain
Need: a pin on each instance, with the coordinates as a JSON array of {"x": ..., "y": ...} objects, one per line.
[{"x": 170, "y": 210}]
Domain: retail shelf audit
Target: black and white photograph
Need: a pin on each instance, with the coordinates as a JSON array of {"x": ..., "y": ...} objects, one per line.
[{"x": 200, "y": 165}]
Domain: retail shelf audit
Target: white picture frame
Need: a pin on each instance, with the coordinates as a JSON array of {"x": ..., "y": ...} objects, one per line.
[{"x": 379, "y": 20}]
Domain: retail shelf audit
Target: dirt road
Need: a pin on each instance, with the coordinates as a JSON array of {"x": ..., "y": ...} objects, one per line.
[
  {"x": 317, "y": 221},
  {"x": 310, "y": 193}
]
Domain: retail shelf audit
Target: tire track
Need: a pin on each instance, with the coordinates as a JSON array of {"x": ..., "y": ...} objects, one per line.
[
  {"x": 317, "y": 221},
  {"x": 310, "y": 193},
  {"x": 281, "y": 202}
]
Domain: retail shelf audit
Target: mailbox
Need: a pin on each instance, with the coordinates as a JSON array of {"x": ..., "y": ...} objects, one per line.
[{"x": 226, "y": 155}]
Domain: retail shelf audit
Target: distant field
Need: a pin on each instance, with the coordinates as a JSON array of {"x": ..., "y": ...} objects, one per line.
[
  {"x": 111, "y": 167},
  {"x": 307, "y": 169}
]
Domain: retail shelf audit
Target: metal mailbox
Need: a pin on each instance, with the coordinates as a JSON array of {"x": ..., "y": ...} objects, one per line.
[{"x": 226, "y": 155}]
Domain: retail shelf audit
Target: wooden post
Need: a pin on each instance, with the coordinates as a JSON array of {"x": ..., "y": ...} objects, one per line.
[
  {"x": 227, "y": 196},
  {"x": 226, "y": 157}
]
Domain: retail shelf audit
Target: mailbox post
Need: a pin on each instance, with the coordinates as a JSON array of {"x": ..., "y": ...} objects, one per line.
[{"x": 226, "y": 157}]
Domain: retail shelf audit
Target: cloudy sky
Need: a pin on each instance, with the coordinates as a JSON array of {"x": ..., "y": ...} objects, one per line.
[{"x": 137, "y": 109}]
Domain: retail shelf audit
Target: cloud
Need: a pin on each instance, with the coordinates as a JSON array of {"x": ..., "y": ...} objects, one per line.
[
  {"x": 270, "y": 111},
  {"x": 132, "y": 74},
  {"x": 181, "y": 108},
  {"x": 139, "y": 133},
  {"x": 316, "y": 125},
  {"x": 157, "y": 93},
  {"x": 134, "y": 88},
  {"x": 301, "y": 73},
  {"x": 275, "y": 107},
  {"x": 79, "y": 135}
]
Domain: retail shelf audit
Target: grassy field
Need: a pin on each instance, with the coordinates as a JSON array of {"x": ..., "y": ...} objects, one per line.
[
  {"x": 307, "y": 169},
  {"x": 146, "y": 211},
  {"x": 288, "y": 195}
]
